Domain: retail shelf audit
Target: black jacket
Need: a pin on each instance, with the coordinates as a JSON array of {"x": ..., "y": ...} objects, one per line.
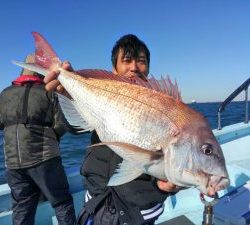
[
  {"x": 32, "y": 123},
  {"x": 139, "y": 194}
]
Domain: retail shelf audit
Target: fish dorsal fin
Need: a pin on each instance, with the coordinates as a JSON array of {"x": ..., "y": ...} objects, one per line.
[
  {"x": 45, "y": 56},
  {"x": 164, "y": 85},
  {"x": 69, "y": 109}
]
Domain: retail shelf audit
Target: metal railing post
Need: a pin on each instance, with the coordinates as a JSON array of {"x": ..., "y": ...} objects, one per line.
[
  {"x": 219, "y": 121},
  {"x": 246, "y": 104}
]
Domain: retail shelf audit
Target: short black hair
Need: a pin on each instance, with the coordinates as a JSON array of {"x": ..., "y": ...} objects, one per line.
[{"x": 131, "y": 45}]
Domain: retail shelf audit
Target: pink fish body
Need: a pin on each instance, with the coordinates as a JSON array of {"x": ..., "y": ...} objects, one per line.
[{"x": 153, "y": 132}]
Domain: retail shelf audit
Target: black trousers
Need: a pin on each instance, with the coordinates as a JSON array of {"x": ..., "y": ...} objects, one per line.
[{"x": 27, "y": 184}]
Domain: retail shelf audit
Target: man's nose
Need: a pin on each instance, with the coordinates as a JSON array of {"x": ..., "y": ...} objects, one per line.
[{"x": 133, "y": 65}]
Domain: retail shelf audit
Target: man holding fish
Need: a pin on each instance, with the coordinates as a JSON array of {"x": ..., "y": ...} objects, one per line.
[
  {"x": 143, "y": 121},
  {"x": 130, "y": 58}
]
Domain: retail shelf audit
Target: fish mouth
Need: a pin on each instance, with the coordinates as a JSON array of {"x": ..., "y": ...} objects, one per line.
[
  {"x": 210, "y": 184},
  {"x": 215, "y": 184}
]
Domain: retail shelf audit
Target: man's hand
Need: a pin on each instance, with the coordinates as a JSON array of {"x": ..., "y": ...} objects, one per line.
[
  {"x": 168, "y": 186},
  {"x": 52, "y": 84}
]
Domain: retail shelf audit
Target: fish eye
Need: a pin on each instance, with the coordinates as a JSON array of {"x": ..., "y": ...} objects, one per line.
[{"x": 207, "y": 149}]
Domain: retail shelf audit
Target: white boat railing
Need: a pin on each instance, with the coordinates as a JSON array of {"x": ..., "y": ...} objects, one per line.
[{"x": 242, "y": 87}]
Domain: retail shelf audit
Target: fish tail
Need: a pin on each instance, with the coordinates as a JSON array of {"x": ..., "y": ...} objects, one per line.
[{"x": 45, "y": 56}]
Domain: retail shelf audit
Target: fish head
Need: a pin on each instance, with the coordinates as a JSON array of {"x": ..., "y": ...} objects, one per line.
[{"x": 195, "y": 158}]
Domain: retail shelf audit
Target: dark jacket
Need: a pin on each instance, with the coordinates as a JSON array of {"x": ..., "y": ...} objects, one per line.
[
  {"x": 32, "y": 123},
  {"x": 139, "y": 194}
]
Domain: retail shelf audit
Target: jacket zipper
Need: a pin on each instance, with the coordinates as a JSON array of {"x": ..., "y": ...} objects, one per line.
[
  {"x": 4, "y": 151},
  {"x": 18, "y": 146}
]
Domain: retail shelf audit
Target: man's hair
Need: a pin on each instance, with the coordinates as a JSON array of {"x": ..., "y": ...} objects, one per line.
[{"x": 131, "y": 45}]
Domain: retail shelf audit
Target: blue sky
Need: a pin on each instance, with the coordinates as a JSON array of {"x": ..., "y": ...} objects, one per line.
[{"x": 205, "y": 45}]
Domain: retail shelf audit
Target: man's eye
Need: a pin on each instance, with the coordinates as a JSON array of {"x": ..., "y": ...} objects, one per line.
[
  {"x": 142, "y": 61},
  {"x": 126, "y": 60}
]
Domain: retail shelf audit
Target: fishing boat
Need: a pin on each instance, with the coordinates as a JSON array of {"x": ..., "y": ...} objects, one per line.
[{"x": 187, "y": 207}]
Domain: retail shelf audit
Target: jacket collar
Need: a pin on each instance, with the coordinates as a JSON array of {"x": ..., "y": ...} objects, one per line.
[{"x": 27, "y": 79}]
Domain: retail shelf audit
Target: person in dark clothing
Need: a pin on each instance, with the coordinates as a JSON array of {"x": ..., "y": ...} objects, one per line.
[
  {"x": 33, "y": 124},
  {"x": 139, "y": 201}
]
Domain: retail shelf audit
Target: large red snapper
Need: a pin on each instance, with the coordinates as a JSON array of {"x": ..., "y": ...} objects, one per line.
[{"x": 153, "y": 132}]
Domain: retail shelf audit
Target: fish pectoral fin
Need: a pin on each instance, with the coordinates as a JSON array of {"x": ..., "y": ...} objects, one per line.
[
  {"x": 124, "y": 174},
  {"x": 133, "y": 153},
  {"x": 69, "y": 109}
]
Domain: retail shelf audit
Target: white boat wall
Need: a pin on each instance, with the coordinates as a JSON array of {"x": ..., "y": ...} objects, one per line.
[{"x": 233, "y": 207}]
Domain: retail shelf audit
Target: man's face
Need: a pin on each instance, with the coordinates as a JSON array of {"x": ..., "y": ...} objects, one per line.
[{"x": 130, "y": 67}]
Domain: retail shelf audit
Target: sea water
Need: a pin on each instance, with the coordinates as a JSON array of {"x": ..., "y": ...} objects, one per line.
[{"x": 73, "y": 147}]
